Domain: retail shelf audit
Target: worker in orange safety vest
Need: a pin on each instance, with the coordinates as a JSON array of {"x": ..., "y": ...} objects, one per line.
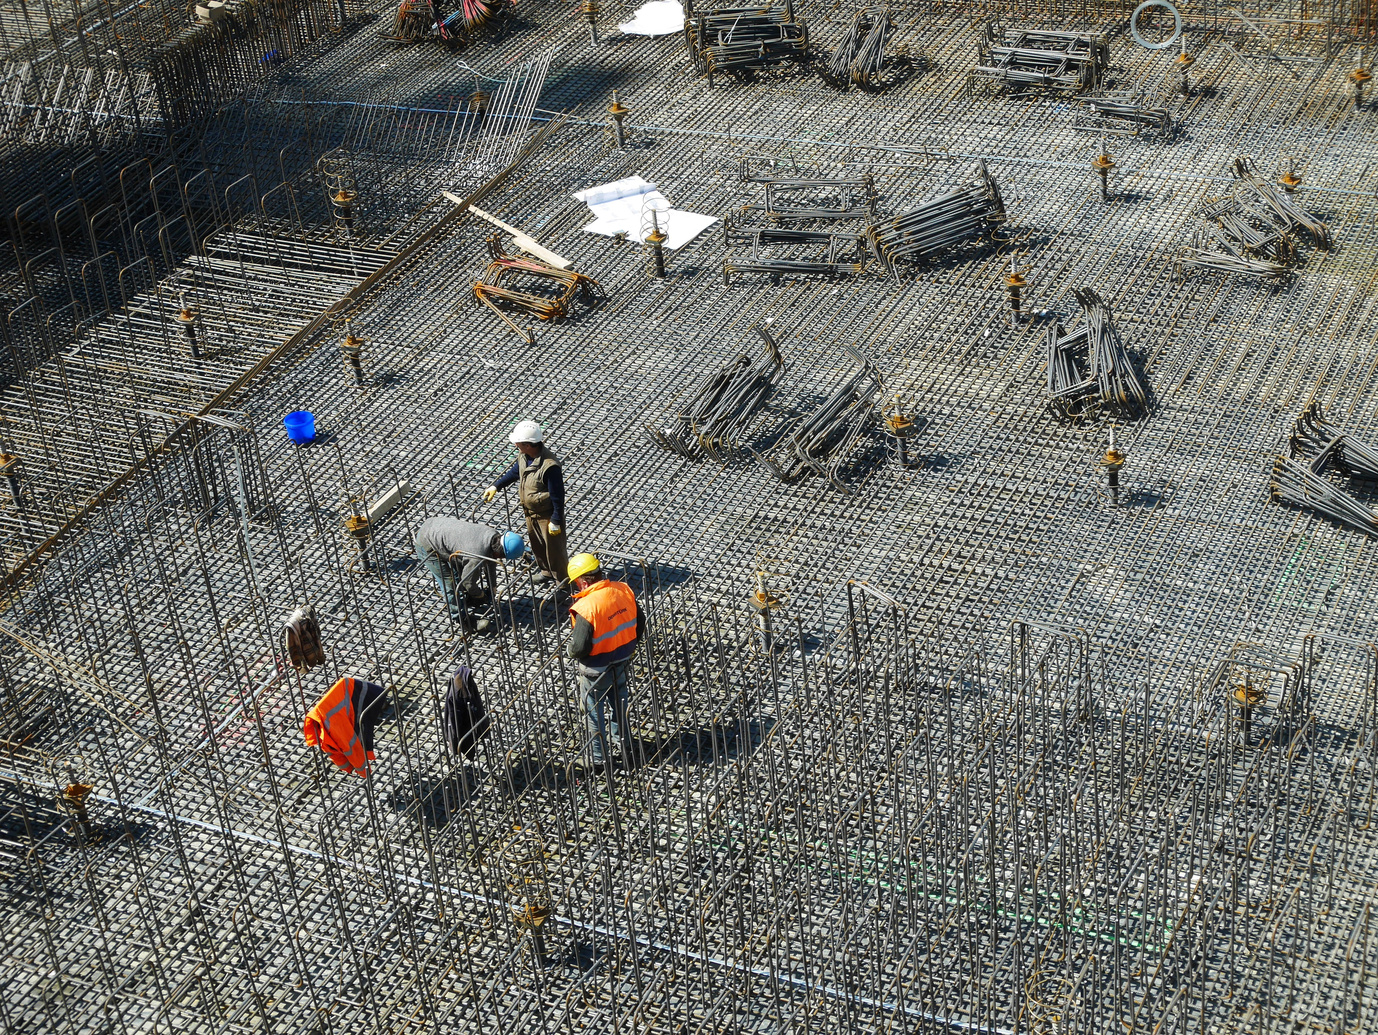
[
  {"x": 341, "y": 723},
  {"x": 606, "y": 627}
]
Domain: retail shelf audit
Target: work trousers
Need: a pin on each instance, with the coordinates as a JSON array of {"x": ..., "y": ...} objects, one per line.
[
  {"x": 549, "y": 550},
  {"x": 451, "y": 582},
  {"x": 605, "y": 695}
]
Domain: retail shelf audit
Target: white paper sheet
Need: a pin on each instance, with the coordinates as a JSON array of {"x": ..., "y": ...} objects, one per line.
[
  {"x": 658, "y": 18},
  {"x": 618, "y": 208}
]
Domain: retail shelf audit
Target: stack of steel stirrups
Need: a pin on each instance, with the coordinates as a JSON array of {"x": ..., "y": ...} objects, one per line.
[
  {"x": 716, "y": 419},
  {"x": 831, "y": 253},
  {"x": 1089, "y": 369},
  {"x": 1070, "y": 62},
  {"x": 859, "y": 57},
  {"x": 1315, "y": 446},
  {"x": 1122, "y": 114},
  {"x": 810, "y": 197},
  {"x": 969, "y": 213},
  {"x": 822, "y": 441},
  {"x": 1278, "y": 205},
  {"x": 745, "y": 39}
]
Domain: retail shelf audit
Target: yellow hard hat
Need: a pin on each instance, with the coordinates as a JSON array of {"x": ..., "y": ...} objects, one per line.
[{"x": 581, "y": 564}]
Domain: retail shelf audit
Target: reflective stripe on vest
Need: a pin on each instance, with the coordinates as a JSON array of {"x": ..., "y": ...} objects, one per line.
[
  {"x": 330, "y": 725},
  {"x": 610, "y": 607}
]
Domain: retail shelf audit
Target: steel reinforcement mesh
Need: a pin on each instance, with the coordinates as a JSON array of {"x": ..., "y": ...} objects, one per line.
[{"x": 997, "y": 751}]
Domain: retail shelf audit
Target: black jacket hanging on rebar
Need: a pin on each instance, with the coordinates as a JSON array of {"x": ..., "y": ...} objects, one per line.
[{"x": 465, "y": 720}]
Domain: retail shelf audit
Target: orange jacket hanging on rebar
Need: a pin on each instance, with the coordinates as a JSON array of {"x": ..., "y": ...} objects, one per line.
[
  {"x": 610, "y": 607},
  {"x": 341, "y": 723}
]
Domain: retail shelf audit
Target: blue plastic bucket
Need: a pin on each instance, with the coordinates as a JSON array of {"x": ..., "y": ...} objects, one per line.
[{"x": 301, "y": 426}]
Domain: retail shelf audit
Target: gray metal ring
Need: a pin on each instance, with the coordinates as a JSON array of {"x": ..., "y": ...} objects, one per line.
[{"x": 1134, "y": 25}]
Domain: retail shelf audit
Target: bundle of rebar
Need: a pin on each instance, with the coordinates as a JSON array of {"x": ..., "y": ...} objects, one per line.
[
  {"x": 1089, "y": 370},
  {"x": 859, "y": 57},
  {"x": 1122, "y": 114},
  {"x": 1321, "y": 444},
  {"x": 1066, "y": 62},
  {"x": 796, "y": 198},
  {"x": 1302, "y": 485},
  {"x": 969, "y": 213},
  {"x": 832, "y": 258},
  {"x": 745, "y": 39},
  {"x": 564, "y": 287},
  {"x": 718, "y": 415},
  {"x": 823, "y": 440},
  {"x": 1281, "y": 209},
  {"x": 419, "y": 20},
  {"x": 1217, "y": 251}
]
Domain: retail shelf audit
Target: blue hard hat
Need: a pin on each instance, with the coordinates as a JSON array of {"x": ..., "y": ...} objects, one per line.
[{"x": 512, "y": 545}]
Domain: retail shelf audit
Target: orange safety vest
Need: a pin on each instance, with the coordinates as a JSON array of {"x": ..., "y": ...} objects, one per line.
[
  {"x": 610, "y": 607},
  {"x": 331, "y": 726}
]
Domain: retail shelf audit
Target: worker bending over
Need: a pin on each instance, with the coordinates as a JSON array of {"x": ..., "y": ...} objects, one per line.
[
  {"x": 607, "y": 625},
  {"x": 444, "y": 544},
  {"x": 541, "y": 489}
]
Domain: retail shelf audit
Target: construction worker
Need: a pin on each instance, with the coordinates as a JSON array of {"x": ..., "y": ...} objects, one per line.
[
  {"x": 444, "y": 543},
  {"x": 606, "y": 627},
  {"x": 541, "y": 489}
]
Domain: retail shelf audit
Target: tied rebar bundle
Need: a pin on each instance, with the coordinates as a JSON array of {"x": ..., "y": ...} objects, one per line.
[
  {"x": 745, "y": 39},
  {"x": 1283, "y": 212},
  {"x": 716, "y": 419},
  {"x": 418, "y": 20},
  {"x": 558, "y": 288},
  {"x": 1122, "y": 114},
  {"x": 859, "y": 57},
  {"x": 823, "y": 440},
  {"x": 1031, "y": 59},
  {"x": 969, "y": 213},
  {"x": 1302, "y": 485},
  {"x": 810, "y": 197},
  {"x": 1089, "y": 370},
  {"x": 815, "y": 251},
  {"x": 1221, "y": 252},
  {"x": 1321, "y": 444},
  {"x": 1250, "y": 232}
]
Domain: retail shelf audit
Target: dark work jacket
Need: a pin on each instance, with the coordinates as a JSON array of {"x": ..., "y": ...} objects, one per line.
[{"x": 465, "y": 721}]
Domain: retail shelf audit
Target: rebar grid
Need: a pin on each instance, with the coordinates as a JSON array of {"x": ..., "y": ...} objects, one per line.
[{"x": 787, "y": 856}]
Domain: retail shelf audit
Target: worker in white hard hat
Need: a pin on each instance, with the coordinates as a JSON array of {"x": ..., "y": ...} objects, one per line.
[{"x": 541, "y": 489}]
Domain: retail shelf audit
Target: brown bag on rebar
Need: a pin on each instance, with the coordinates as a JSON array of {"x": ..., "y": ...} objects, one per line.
[{"x": 301, "y": 638}]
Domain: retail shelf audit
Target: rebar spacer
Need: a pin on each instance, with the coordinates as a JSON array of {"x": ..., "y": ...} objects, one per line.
[
  {"x": 590, "y": 9},
  {"x": 187, "y": 318},
  {"x": 761, "y": 599},
  {"x": 1014, "y": 287},
  {"x": 74, "y": 797},
  {"x": 9, "y": 467},
  {"x": 1357, "y": 79},
  {"x": 352, "y": 349},
  {"x": 343, "y": 200},
  {"x": 618, "y": 111}
]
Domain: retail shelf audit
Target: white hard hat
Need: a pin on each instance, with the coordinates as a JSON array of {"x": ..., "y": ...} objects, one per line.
[{"x": 526, "y": 431}]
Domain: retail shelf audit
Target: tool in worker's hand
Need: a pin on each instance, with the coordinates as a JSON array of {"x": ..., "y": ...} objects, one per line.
[{"x": 521, "y": 240}]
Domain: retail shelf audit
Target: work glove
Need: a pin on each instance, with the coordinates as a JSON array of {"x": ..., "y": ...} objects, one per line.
[
  {"x": 555, "y": 529},
  {"x": 489, "y": 493}
]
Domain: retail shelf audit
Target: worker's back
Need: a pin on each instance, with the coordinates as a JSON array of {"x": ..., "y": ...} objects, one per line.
[
  {"x": 443, "y": 536},
  {"x": 610, "y": 611}
]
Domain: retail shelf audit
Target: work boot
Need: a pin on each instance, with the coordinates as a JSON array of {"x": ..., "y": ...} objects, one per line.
[{"x": 542, "y": 578}]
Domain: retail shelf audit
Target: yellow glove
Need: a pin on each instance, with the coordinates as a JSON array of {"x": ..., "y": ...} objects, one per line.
[
  {"x": 555, "y": 529},
  {"x": 489, "y": 493}
]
